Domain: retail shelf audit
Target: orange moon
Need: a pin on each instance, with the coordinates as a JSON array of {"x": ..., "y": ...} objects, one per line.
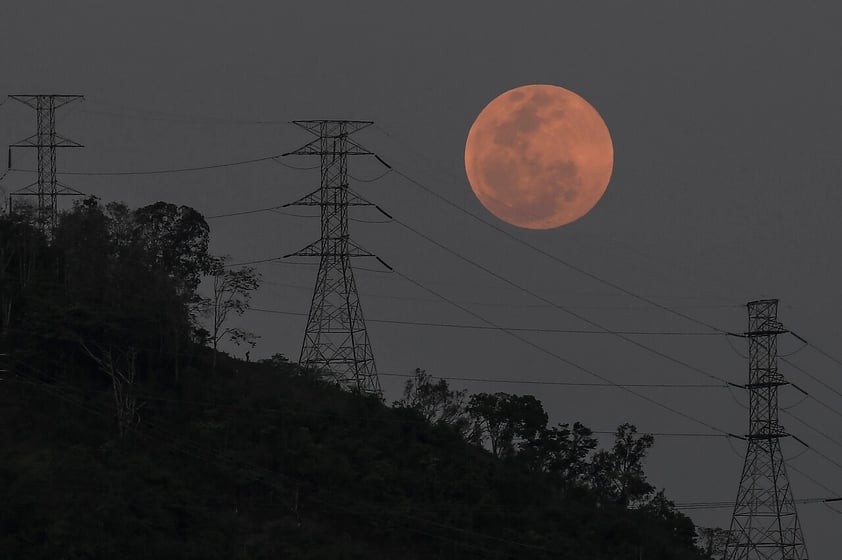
[{"x": 539, "y": 157}]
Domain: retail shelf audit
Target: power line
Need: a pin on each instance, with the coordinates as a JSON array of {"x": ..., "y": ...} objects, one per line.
[
  {"x": 361, "y": 221},
  {"x": 244, "y": 212},
  {"x": 590, "y": 275},
  {"x": 622, "y": 334},
  {"x": 554, "y": 257},
  {"x": 819, "y": 401},
  {"x": 827, "y": 355},
  {"x": 816, "y": 482},
  {"x": 274, "y": 158},
  {"x": 686, "y": 506},
  {"x": 568, "y": 361},
  {"x": 666, "y": 434},
  {"x": 606, "y": 331},
  {"x": 608, "y": 382},
  {"x": 564, "y": 383},
  {"x": 549, "y": 302},
  {"x": 373, "y": 179},
  {"x": 431, "y": 165},
  {"x": 296, "y": 167},
  {"x": 485, "y": 303},
  {"x": 153, "y": 114},
  {"x": 813, "y": 429},
  {"x": 813, "y": 377},
  {"x": 273, "y": 260},
  {"x": 579, "y": 316},
  {"x": 558, "y": 306},
  {"x": 170, "y": 170},
  {"x": 807, "y": 395},
  {"x": 823, "y": 455},
  {"x": 515, "y": 329},
  {"x": 275, "y": 209}
]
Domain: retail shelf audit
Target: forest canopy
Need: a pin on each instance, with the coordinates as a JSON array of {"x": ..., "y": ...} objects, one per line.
[{"x": 126, "y": 433}]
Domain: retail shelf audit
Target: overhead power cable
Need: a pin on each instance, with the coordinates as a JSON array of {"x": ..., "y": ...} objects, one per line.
[
  {"x": 811, "y": 376},
  {"x": 579, "y": 316},
  {"x": 567, "y": 360},
  {"x": 275, "y": 209},
  {"x": 560, "y": 307},
  {"x": 808, "y": 374},
  {"x": 449, "y": 202},
  {"x": 274, "y": 260},
  {"x": 476, "y": 302},
  {"x": 818, "y": 483},
  {"x": 515, "y": 329},
  {"x": 154, "y": 114},
  {"x": 373, "y": 179},
  {"x": 821, "y": 454},
  {"x": 666, "y": 434},
  {"x": 810, "y": 396},
  {"x": 173, "y": 169},
  {"x": 824, "y": 353},
  {"x": 730, "y": 505},
  {"x": 244, "y": 212},
  {"x": 556, "y": 258},
  {"x": 595, "y": 277},
  {"x": 570, "y": 383}
]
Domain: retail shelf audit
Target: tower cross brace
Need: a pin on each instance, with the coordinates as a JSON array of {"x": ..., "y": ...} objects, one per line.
[
  {"x": 46, "y": 141},
  {"x": 336, "y": 341},
  {"x": 764, "y": 524}
]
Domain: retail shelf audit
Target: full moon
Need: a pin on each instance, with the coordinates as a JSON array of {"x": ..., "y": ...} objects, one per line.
[{"x": 539, "y": 157}]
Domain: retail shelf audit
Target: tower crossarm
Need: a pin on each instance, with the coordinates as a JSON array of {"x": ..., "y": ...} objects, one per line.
[
  {"x": 315, "y": 199},
  {"x": 46, "y": 142},
  {"x": 764, "y": 523},
  {"x": 336, "y": 342},
  {"x": 316, "y": 249}
]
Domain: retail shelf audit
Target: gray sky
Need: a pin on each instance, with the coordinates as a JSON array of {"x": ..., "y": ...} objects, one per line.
[{"x": 724, "y": 118}]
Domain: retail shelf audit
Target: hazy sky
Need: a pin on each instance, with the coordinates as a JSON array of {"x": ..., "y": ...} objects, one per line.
[{"x": 725, "y": 119}]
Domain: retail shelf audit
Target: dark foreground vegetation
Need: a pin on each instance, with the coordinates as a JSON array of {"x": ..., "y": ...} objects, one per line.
[{"x": 124, "y": 435}]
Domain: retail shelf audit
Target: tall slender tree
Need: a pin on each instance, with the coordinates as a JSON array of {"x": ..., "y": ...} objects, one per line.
[{"x": 231, "y": 291}]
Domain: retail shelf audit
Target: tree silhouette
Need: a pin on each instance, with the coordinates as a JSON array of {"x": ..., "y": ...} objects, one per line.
[
  {"x": 435, "y": 401},
  {"x": 503, "y": 420},
  {"x": 618, "y": 474},
  {"x": 231, "y": 290}
]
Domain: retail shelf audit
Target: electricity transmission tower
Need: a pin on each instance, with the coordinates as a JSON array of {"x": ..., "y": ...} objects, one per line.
[
  {"x": 336, "y": 340},
  {"x": 765, "y": 522},
  {"x": 46, "y": 188}
]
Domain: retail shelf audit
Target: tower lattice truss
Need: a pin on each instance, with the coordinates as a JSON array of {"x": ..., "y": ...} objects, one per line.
[
  {"x": 336, "y": 341},
  {"x": 46, "y": 141},
  {"x": 765, "y": 522}
]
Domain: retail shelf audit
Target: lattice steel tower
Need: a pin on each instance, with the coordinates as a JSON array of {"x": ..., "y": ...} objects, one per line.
[
  {"x": 765, "y": 523},
  {"x": 336, "y": 340},
  {"x": 46, "y": 188}
]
